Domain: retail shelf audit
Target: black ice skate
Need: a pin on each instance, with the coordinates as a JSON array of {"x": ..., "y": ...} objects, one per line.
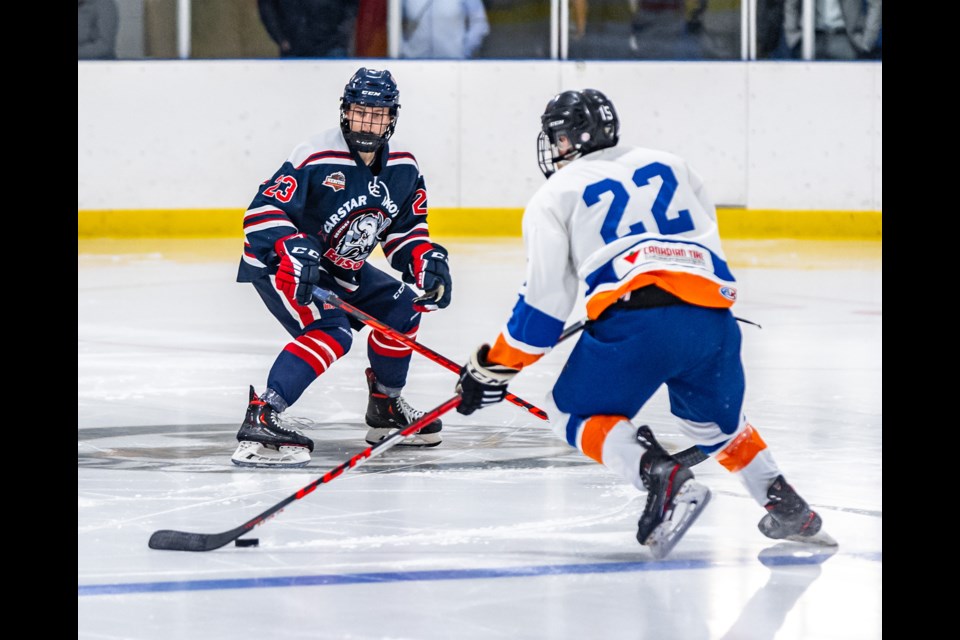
[
  {"x": 789, "y": 517},
  {"x": 385, "y": 415},
  {"x": 266, "y": 442},
  {"x": 674, "y": 498}
]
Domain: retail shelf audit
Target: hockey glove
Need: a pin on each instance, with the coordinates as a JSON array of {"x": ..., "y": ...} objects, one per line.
[
  {"x": 482, "y": 383},
  {"x": 431, "y": 274},
  {"x": 299, "y": 268}
]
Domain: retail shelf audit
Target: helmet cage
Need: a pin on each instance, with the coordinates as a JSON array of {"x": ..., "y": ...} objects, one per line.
[
  {"x": 549, "y": 156},
  {"x": 369, "y": 88}
]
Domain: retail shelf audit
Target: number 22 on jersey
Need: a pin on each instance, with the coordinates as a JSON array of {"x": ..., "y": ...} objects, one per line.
[{"x": 641, "y": 178}]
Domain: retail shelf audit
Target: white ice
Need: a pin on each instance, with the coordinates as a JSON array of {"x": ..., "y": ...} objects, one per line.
[{"x": 503, "y": 531}]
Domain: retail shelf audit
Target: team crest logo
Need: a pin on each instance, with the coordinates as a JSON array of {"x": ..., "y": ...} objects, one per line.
[
  {"x": 354, "y": 238},
  {"x": 336, "y": 181},
  {"x": 729, "y": 293}
]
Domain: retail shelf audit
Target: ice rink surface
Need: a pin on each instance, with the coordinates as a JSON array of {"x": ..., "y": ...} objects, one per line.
[{"x": 501, "y": 532}]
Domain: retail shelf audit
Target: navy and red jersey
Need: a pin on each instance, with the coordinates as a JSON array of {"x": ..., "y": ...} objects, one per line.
[{"x": 326, "y": 192}]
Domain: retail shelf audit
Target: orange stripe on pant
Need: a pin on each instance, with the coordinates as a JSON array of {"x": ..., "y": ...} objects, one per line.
[
  {"x": 741, "y": 450},
  {"x": 594, "y": 434}
]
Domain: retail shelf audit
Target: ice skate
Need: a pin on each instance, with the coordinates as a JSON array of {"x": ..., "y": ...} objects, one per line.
[
  {"x": 674, "y": 498},
  {"x": 385, "y": 415},
  {"x": 789, "y": 517},
  {"x": 266, "y": 442}
]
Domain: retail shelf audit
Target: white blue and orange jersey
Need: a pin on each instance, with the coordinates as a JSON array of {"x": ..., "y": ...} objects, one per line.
[
  {"x": 326, "y": 192},
  {"x": 608, "y": 223}
]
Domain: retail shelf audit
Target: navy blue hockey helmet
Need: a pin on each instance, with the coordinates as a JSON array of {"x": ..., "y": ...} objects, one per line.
[
  {"x": 586, "y": 118},
  {"x": 369, "y": 88}
]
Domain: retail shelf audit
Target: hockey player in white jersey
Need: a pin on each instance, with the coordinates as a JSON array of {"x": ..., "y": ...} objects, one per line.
[{"x": 634, "y": 228}]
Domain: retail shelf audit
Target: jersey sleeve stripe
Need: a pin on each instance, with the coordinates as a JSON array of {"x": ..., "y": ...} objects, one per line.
[
  {"x": 250, "y": 258},
  {"x": 267, "y": 217},
  {"x": 268, "y": 224},
  {"x": 502, "y": 352},
  {"x": 533, "y": 327},
  {"x": 390, "y": 249},
  {"x": 421, "y": 229}
]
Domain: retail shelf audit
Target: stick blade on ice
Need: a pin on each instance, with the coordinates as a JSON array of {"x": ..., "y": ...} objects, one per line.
[{"x": 169, "y": 540}]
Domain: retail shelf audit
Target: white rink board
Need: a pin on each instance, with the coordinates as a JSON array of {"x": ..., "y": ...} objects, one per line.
[{"x": 205, "y": 134}]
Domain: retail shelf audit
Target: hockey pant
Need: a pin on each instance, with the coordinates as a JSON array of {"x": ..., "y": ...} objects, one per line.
[
  {"x": 624, "y": 357},
  {"x": 321, "y": 336}
]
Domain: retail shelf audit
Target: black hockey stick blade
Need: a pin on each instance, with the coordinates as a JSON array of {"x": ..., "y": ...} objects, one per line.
[{"x": 170, "y": 540}]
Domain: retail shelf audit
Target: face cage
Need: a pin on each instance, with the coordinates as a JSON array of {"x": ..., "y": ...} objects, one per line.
[
  {"x": 366, "y": 142},
  {"x": 549, "y": 158}
]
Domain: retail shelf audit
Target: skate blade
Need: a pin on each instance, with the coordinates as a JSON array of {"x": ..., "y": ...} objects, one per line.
[
  {"x": 408, "y": 444},
  {"x": 375, "y": 436},
  {"x": 688, "y": 504},
  {"x": 820, "y": 538},
  {"x": 258, "y": 456}
]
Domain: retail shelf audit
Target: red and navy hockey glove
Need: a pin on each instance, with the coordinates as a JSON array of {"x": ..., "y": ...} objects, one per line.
[
  {"x": 299, "y": 267},
  {"x": 431, "y": 273},
  {"x": 482, "y": 383}
]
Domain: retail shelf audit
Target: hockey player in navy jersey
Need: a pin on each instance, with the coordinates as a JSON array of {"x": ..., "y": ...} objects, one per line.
[
  {"x": 315, "y": 223},
  {"x": 637, "y": 231}
]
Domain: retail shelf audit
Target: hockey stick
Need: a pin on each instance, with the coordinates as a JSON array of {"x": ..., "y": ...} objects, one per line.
[
  {"x": 689, "y": 457},
  {"x": 331, "y": 298},
  {"x": 572, "y": 329},
  {"x": 184, "y": 541}
]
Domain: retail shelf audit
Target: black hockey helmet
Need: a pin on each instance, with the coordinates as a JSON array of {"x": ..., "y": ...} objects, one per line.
[
  {"x": 369, "y": 88},
  {"x": 586, "y": 118}
]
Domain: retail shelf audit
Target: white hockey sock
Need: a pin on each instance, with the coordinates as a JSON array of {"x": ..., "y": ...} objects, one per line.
[
  {"x": 758, "y": 475},
  {"x": 622, "y": 452}
]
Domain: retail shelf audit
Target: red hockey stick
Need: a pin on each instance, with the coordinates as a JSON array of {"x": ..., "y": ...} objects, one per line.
[
  {"x": 184, "y": 541},
  {"x": 331, "y": 298},
  {"x": 690, "y": 456}
]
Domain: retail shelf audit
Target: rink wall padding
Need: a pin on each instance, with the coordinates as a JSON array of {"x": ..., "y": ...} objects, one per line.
[
  {"x": 176, "y": 148},
  {"x": 490, "y": 222}
]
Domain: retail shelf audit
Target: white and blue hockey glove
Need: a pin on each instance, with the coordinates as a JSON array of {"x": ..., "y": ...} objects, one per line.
[
  {"x": 299, "y": 268},
  {"x": 430, "y": 271},
  {"x": 482, "y": 383}
]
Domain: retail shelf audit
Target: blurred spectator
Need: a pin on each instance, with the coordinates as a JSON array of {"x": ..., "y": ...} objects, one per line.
[
  {"x": 845, "y": 29},
  {"x": 310, "y": 28},
  {"x": 371, "y": 35},
  {"x": 580, "y": 9},
  {"x": 97, "y": 24},
  {"x": 667, "y": 29},
  {"x": 443, "y": 28},
  {"x": 769, "y": 29}
]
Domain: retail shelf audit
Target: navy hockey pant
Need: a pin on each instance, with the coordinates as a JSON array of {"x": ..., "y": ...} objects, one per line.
[
  {"x": 323, "y": 335},
  {"x": 624, "y": 357}
]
